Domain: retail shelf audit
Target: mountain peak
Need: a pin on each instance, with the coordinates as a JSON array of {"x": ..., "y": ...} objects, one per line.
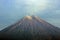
[
  {"x": 28, "y": 17},
  {"x": 31, "y": 27}
]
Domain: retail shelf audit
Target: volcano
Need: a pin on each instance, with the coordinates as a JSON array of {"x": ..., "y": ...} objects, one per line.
[{"x": 31, "y": 28}]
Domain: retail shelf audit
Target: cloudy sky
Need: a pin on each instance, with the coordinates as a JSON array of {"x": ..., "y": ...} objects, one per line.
[{"x": 13, "y": 10}]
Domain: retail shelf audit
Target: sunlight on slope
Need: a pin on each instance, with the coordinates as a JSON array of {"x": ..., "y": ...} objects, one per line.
[{"x": 28, "y": 17}]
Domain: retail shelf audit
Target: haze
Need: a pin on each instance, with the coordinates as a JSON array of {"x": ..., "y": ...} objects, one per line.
[{"x": 13, "y": 10}]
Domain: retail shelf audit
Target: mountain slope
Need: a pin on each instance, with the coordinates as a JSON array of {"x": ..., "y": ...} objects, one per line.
[{"x": 31, "y": 28}]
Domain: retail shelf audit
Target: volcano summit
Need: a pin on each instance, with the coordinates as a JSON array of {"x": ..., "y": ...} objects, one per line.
[{"x": 31, "y": 28}]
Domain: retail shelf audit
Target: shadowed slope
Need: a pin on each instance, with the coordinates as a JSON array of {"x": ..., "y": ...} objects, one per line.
[{"x": 31, "y": 28}]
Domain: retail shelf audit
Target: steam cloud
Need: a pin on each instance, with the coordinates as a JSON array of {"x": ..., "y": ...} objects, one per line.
[{"x": 31, "y": 7}]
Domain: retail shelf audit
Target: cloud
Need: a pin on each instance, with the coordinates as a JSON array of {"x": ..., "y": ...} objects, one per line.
[
  {"x": 13, "y": 10},
  {"x": 58, "y": 12},
  {"x": 31, "y": 6}
]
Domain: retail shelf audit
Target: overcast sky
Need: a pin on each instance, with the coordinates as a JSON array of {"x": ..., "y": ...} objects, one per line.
[{"x": 13, "y": 10}]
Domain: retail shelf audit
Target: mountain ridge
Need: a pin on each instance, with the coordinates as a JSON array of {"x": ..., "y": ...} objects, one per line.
[{"x": 31, "y": 27}]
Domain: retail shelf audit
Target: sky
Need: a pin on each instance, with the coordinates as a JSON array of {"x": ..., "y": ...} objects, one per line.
[{"x": 13, "y": 10}]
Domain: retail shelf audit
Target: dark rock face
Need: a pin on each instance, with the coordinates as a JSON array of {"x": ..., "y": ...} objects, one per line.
[{"x": 31, "y": 28}]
